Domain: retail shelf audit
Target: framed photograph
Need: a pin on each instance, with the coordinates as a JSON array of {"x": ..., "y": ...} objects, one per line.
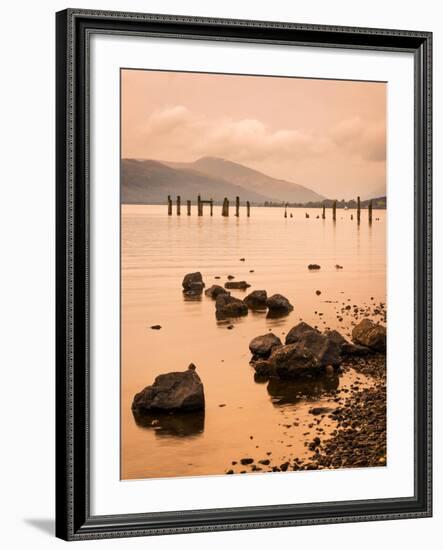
[{"x": 243, "y": 274}]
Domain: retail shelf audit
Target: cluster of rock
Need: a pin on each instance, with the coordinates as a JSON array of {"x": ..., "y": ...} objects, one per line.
[
  {"x": 309, "y": 352},
  {"x": 172, "y": 392},
  {"x": 227, "y": 306}
]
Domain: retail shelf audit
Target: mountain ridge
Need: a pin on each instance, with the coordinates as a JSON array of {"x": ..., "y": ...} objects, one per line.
[{"x": 151, "y": 181}]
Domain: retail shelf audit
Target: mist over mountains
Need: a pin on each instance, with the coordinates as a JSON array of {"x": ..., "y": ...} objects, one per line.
[{"x": 151, "y": 181}]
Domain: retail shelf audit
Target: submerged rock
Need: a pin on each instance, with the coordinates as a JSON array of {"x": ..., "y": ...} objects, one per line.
[
  {"x": 279, "y": 304},
  {"x": 257, "y": 299},
  {"x": 313, "y": 266},
  {"x": 214, "y": 290},
  {"x": 262, "y": 346},
  {"x": 172, "y": 392},
  {"x": 227, "y": 306},
  {"x": 242, "y": 285},
  {"x": 369, "y": 334}
]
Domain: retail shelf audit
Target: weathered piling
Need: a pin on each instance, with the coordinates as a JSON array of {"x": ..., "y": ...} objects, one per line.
[
  {"x": 199, "y": 206},
  {"x": 237, "y": 206},
  {"x": 248, "y": 209},
  {"x": 169, "y": 205},
  {"x": 323, "y": 215},
  {"x": 334, "y": 211},
  {"x": 225, "y": 207},
  {"x": 370, "y": 211},
  {"x": 211, "y": 207},
  {"x": 178, "y": 205},
  {"x": 286, "y": 210},
  {"x": 188, "y": 207},
  {"x": 358, "y": 209}
]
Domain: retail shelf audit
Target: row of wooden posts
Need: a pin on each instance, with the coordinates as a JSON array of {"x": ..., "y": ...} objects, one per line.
[
  {"x": 210, "y": 202},
  {"x": 334, "y": 211}
]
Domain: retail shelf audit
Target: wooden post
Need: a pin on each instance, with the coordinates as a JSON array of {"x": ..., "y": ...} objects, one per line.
[
  {"x": 178, "y": 205},
  {"x": 188, "y": 206},
  {"x": 286, "y": 210},
  {"x": 237, "y": 206},
  {"x": 248, "y": 209},
  {"x": 224, "y": 207},
  {"x": 358, "y": 209},
  {"x": 199, "y": 206},
  {"x": 227, "y": 208},
  {"x": 334, "y": 211},
  {"x": 169, "y": 205},
  {"x": 211, "y": 206},
  {"x": 323, "y": 215},
  {"x": 370, "y": 211}
]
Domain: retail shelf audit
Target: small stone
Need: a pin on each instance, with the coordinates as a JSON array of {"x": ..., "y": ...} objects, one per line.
[
  {"x": 156, "y": 327},
  {"x": 313, "y": 266},
  {"x": 245, "y": 461}
]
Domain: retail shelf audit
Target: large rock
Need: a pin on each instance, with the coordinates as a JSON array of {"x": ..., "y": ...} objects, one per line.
[
  {"x": 369, "y": 334},
  {"x": 214, "y": 290},
  {"x": 279, "y": 304},
  {"x": 191, "y": 278},
  {"x": 294, "y": 360},
  {"x": 298, "y": 331},
  {"x": 241, "y": 285},
  {"x": 326, "y": 347},
  {"x": 257, "y": 299},
  {"x": 174, "y": 391},
  {"x": 262, "y": 346},
  {"x": 227, "y": 306}
]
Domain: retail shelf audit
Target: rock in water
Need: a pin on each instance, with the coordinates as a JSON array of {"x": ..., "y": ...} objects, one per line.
[
  {"x": 313, "y": 266},
  {"x": 191, "y": 279},
  {"x": 262, "y": 346},
  {"x": 227, "y": 306},
  {"x": 369, "y": 334},
  {"x": 279, "y": 304},
  {"x": 297, "y": 332},
  {"x": 194, "y": 289},
  {"x": 294, "y": 360},
  {"x": 214, "y": 290},
  {"x": 174, "y": 391},
  {"x": 242, "y": 285},
  {"x": 257, "y": 299}
]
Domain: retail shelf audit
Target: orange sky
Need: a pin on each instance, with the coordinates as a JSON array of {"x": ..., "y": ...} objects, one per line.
[{"x": 327, "y": 135}]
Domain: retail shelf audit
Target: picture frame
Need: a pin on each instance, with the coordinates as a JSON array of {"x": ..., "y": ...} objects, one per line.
[{"x": 74, "y": 29}]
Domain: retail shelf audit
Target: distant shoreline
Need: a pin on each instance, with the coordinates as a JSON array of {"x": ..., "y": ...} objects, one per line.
[{"x": 377, "y": 204}]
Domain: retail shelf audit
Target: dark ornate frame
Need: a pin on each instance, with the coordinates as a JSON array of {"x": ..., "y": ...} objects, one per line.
[{"x": 73, "y": 518}]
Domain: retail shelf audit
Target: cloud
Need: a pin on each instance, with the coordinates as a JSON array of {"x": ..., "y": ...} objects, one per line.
[
  {"x": 358, "y": 137},
  {"x": 183, "y": 133}
]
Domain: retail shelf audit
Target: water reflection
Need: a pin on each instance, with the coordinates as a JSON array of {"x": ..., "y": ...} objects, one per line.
[
  {"x": 283, "y": 392},
  {"x": 176, "y": 424}
]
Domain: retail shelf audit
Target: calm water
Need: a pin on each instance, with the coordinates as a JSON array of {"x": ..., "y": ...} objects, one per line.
[{"x": 242, "y": 417}]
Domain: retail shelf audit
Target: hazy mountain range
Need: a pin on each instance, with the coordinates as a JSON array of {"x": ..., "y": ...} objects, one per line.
[{"x": 151, "y": 181}]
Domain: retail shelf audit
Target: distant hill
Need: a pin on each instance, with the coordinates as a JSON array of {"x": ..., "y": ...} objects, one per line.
[
  {"x": 251, "y": 180},
  {"x": 150, "y": 182}
]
